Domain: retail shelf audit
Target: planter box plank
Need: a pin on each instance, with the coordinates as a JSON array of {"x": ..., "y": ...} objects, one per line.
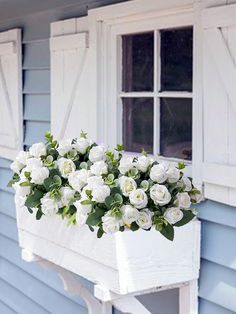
[{"x": 125, "y": 262}]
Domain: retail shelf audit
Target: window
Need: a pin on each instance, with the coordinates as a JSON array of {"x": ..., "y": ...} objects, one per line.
[{"x": 156, "y": 92}]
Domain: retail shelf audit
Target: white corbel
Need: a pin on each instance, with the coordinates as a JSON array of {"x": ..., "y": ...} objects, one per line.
[{"x": 103, "y": 299}]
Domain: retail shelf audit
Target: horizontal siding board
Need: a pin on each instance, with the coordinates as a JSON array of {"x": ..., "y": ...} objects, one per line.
[
  {"x": 17, "y": 300},
  {"x": 36, "y": 81},
  {"x": 33, "y": 136},
  {"x": 5, "y": 176},
  {"x": 217, "y": 212},
  {"x": 4, "y": 163},
  {"x": 217, "y": 284},
  {"x": 214, "y": 234},
  {"x": 37, "y": 291},
  {"x": 8, "y": 227},
  {"x": 37, "y": 108},
  {"x": 12, "y": 253},
  {"x": 207, "y": 307},
  {"x": 5, "y": 309},
  {"x": 36, "y": 55},
  {"x": 7, "y": 204}
]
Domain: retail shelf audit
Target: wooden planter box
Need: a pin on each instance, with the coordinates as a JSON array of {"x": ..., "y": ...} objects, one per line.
[{"x": 124, "y": 263}]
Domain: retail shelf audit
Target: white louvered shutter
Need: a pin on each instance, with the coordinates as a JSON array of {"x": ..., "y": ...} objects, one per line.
[
  {"x": 10, "y": 93},
  {"x": 71, "y": 109},
  {"x": 219, "y": 98}
]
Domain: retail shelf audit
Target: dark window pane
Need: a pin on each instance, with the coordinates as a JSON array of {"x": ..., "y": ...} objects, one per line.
[
  {"x": 177, "y": 59},
  {"x": 137, "y": 62},
  {"x": 176, "y": 128},
  {"x": 138, "y": 124}
]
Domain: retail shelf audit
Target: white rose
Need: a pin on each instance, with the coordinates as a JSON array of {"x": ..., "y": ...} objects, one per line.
[
  {"x": 22, "y": 157},
  {"x": 187, "y": 183},
  {"x": 100, "y": 193},
  {"x": 127, "y": 185},
  {"x": 16, "y": 166},
  {"x": 37, "y": 150},
  {"x": 110, "y": 224},
  {"x": 99, "y": 168},
  {"x": 183, "y": 200},
  {"x": 158, "y": 173},
  {"x": 129, "y": 214},
  {"x": 144, "y": 220},
  {"x": 78, "y": 179},
  {"x": 66, "y": 166},
  {"x": 173, "y": 215},
  {"x": 49, "y": 206},
  {"x": 84, "y": 209},
  {"x": 33, "y": 163},
  {"x": 138, "y": 198},
  {"x": 97, "y": 153},
  {"x": 126, "y": 163},
  {"x": 160, "y": 194},
  {"x": 38, "y": 175},
  {"x": 94, "y": 181},
  {"x": 21, "y": 191},
  {"x": 64, "y": 147},
  {"x": 81, "y": 145},
  {"x": 173, "y": 174},
  {"x": 196, "y": 197},
  {"x": 67, "y": 195},
  {"x": 143, "y": 162},
  {"x": 82, "y": 212}
]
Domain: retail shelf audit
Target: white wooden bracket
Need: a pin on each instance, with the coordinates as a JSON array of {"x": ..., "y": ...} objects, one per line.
[{"x": 102, "y": 300}]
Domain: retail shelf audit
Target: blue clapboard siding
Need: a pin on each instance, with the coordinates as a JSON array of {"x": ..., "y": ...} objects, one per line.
[{"x": 27, "y": 288}]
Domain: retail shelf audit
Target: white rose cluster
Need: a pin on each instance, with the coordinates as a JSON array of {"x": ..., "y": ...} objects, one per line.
[{"x": 105, "y": 189}]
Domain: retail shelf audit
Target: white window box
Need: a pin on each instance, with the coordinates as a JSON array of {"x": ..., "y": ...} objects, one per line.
[{"x": 124, "y": 263}]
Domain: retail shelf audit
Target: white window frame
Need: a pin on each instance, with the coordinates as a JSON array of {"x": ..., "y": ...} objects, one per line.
[{"x": 106, "y": 24}]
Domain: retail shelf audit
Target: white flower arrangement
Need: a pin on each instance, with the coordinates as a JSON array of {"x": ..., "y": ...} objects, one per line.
[{"x": 103, "y": 188}]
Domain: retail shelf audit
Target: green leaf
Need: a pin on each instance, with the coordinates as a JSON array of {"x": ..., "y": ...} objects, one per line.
[
  {"x": 109, "y": 201},
  {"x": 10, "y": 183},
  {"x": 83, "y": 134},
  {"x": 39, "y": 214},
  {"x": 91, "y": 228},
  {"x": 188, "y": 216},
  {"x": 86, "y": 202},
  {"x": 134, "y": 226},
  {"x": 168, "y": 231},
  {"x": 30, "y": 210},
  {"x": 119, "y": 148},
  {"x": 118, "y": 198},
  {"x": 100, "y": 233},
  {"x": 95, "y": 218},
  {"x": 25, "y": 183},
  {"x": 33, "y": 200},
  {"x": 181, "y": 165}
]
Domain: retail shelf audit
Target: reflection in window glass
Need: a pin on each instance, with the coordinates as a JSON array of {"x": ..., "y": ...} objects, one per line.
[
  {"x": 138, "y": 124},
  {"x": 176, "y": 128},
  {"x": 137, "y": 62},
  {"x": 176, "y": 59}
]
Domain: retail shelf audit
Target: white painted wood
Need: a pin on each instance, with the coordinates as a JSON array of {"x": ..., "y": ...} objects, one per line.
[
  {"x": 219, "y": 103},
  {"x": 115, "y": 261},
  {"x": 130, "y": 305},
  {"x": 197, "y": 105},
  {"x": 67, "y": 42},
  {"x": 7, "y": 48},
  {"x": 71, "y": 109},
  {"x": 188, "y": 303},
  {"x": 219, "y": 174},
  {"x": 10, "y": 93},
  {"x": 223, "y": 61},
  {"x": 219, "y": 16}
]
